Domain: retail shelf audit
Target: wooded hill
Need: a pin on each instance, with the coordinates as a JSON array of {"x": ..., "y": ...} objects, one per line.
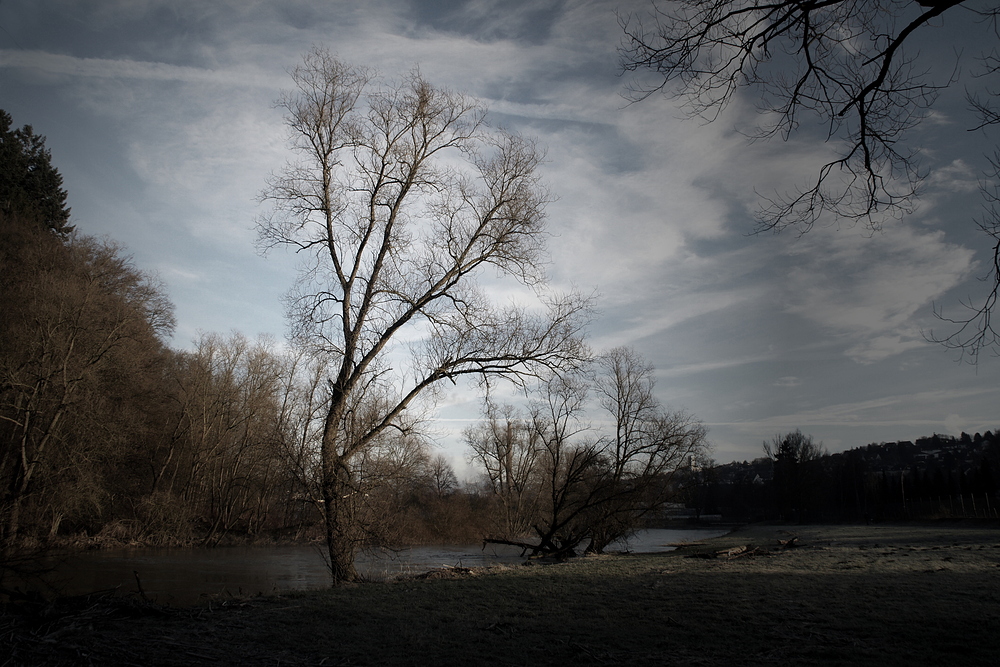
[
  {"x": 934, "y": 477},
  {"x": 110, "y": 436}
]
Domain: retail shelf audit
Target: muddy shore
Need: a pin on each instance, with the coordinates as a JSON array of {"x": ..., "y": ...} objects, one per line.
[{"x": 803, "y": 595}]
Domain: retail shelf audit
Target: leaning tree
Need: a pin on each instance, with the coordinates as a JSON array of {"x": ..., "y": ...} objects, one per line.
[{"x": 576, "y": 484}]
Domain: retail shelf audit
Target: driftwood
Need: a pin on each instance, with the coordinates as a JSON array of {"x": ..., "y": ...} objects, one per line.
[
  {"x": 734, "y": 551},
  {"x": 745, "y": 550},
  {"x": 731, "y": 553},
  {"x": 444, "y": 572},
  {"x": 751, "y": 551}
]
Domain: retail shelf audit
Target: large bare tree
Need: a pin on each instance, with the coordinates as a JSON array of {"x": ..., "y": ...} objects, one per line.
[
  {"x": 402, "y": 198},
  {"x": 854, "y": 67}
]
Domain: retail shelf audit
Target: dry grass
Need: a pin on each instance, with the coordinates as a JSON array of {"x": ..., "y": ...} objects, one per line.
[{"x": 888, "y": 595}]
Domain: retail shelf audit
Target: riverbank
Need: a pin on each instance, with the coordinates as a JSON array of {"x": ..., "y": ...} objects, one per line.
[{"x": 896, "y": 595}]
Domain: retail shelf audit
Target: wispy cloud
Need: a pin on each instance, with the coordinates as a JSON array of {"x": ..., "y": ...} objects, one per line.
[
  {"x": 55, "y": 64},
  {"x": 957, "y": 176},
  {"x": 884, "y": 411},
  {"x": 709, "y": 366},
  {"x": 871, "y": 288},
  {"x": 652, "y": 317}
]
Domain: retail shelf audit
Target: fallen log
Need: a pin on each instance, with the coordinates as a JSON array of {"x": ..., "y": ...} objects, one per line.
[
  {"x": 535, "y": 550},
  {"x": 527, "y": 549}
]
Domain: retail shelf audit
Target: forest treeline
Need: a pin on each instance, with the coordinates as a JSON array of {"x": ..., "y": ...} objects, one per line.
[
  {"x": 797, "y": 480},
  {"x": 109, "y": 436}
]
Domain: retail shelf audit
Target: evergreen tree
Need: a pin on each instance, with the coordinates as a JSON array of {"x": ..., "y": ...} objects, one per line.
[{"x": 30, "y": 187}]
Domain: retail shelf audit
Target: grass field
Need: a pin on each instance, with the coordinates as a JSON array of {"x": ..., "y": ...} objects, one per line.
[{"x": 885, "y": 595}]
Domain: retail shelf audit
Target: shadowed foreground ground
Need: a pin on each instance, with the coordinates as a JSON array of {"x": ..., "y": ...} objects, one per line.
[{"x": 887, "y": 595}]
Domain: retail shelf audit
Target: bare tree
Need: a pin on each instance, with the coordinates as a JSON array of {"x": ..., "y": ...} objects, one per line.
[
  {"x": 795, "y": 445},
  {"x": 545, "y": 479},
  {"x": 649, "y": 446},
  {"x": 504, "y": 446},
  {"x": 594, "y": 488},
  {"x": 401, "y": 198},
  {"x": 302, "y": 409},
  {"x": 441, "y": 476},
  {"x": 572, "y": 469},
  {"x": 851, "y": 65},
  {"x": 233, "y": 459}
]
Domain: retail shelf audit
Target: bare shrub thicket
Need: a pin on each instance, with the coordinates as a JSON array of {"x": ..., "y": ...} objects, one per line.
[{"x": 559, "y": 483}]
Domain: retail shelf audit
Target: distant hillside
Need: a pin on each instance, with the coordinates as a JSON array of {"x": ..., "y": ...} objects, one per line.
[
  {"x": 963, "y": 454},
  {"x": 935, "y": 476}
]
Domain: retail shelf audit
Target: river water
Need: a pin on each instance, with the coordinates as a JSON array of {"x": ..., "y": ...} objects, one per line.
[{"x": 180, "y": 576}]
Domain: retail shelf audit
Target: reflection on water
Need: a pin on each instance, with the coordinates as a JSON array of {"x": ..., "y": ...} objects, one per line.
[{"x": 183, "y": 576}]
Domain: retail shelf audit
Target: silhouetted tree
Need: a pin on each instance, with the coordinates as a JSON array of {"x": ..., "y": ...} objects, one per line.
[
  {"x": 30, "y": 187},
  {"x": 795, "y": 457},
  {"x": 649, "y": 447},
  {"x": 582, "y": 488}
]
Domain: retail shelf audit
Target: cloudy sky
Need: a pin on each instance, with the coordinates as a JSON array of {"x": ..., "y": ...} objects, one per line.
[{"x": 160, "y": 115}]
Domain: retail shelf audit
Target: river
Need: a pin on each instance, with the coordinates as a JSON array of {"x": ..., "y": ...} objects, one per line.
[{"x": 182, "y": 576}]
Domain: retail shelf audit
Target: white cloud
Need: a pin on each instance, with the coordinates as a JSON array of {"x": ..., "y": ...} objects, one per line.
[
  {"x": 957, "y": 176},
  {"x": 871, "y": 289}
]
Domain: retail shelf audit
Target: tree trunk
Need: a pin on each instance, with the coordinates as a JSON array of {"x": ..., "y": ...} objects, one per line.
[
  {"x": 338, "y": 491},
  {"x": 340, "y": 544},
  {"x": 10, "y": 524},
  {"x": 57, "y": 518}
]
